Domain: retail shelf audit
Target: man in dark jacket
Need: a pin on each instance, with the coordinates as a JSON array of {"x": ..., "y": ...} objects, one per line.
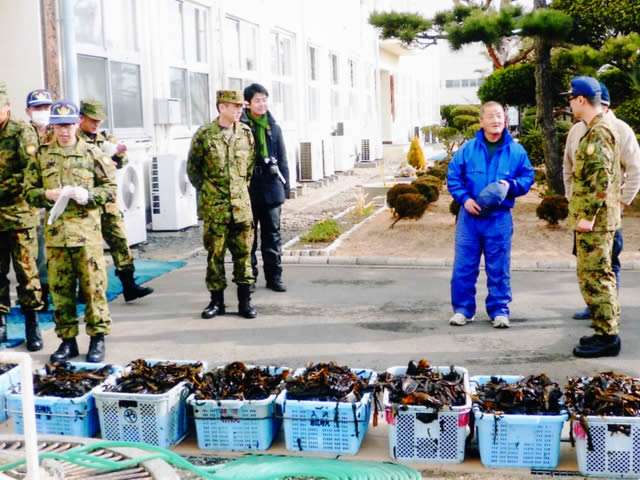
[{"x": 269, "y": 184}]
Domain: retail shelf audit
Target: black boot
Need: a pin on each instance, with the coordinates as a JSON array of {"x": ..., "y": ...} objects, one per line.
[
  {"x": 600, "y": 346},
  {"x": 96, "y": 349},
  {"x": 130, "y": 288},
  {"x": 32, "y": 331},
  {"x": 245, "y": 309},
  {"x": 3, "y": 327},
  {"x": 216, "y": 305},
  {"x": 276, "y": 285},
  {"x": 67, "y": 350}
]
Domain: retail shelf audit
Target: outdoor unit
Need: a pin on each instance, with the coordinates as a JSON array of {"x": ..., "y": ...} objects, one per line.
[
  {"x": 131, "y": 202},
  {"x": 344, "y": 148},
  {"x": 365, "y": 150},
  {"x": 310, "y": 161},
  {"x": 173, "y": 198}
]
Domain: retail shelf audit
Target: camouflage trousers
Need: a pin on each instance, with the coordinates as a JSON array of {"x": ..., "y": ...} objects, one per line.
[
  {"x": 20, "y": 247},
  {"x": 598, "y": 281},
  {"x": 238, "y": 237},
  {"x": 115, "y": 235},
  {"x": 67, "y": 266}
]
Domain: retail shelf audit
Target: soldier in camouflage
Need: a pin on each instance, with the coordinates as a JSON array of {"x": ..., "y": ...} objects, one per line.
[
  {"x": 220, "y": 165},
  {"x": 73, "y": 181},
  {"x": 38, "y": 110},
  {"x": 18, "y": 239},
  {"x": 594, "y": 214},
  {"x": 113, "y": 230}
]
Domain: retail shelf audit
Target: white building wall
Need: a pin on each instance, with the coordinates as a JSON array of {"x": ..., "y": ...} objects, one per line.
[
  {"x": 469, "y": 63},
  {"x": 21, "y": 54}
]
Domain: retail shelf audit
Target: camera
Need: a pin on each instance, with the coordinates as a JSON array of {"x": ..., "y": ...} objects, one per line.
[{"x": 272, "y": 164}]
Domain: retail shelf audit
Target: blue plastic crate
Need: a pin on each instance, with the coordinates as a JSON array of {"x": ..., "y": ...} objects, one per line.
[
  {"x": 420, "y": 434},
  {"x": 147, "y": 418},
  {"x": 8, "y": 380},
  {"x": 237, "y": 425},
  {"x": 517, "y": 441},
  {"x": 616, "y": 447},
  {"x": 336, "y": 428},
  {"x": 61, "y": 416}
]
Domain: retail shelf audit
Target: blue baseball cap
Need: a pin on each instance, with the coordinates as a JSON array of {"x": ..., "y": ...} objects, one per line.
[
  {"x": 585, "y": 86},
  {"x": 39, "y": 97},
  {"x": 64, "y": 112},
  {"x": 492, "y": 196},
  {"x": 605, "y": 99}
]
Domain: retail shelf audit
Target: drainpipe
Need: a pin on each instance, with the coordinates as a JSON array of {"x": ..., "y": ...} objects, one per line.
[
  {"x": 28, "y": 410},
  {"x": 69, "y": 48}
]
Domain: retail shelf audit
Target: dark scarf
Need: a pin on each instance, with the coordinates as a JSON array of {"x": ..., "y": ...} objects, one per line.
[{"x": 261, "y": 125}]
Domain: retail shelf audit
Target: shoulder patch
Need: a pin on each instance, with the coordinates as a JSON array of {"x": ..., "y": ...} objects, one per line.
[
  {"x": 591, "y": 148},
  {"x": 30, "y": 149}
]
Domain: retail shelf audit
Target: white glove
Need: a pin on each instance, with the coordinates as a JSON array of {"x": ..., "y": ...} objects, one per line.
[
  {"x": 61, "y": 204},
  {"x": 80, "y": 195}
]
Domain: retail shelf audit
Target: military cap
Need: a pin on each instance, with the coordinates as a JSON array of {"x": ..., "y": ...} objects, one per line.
[
  {"x": 39, "y": 97},
  {"x": 230, "y": 96},
  {"x": 4, "y": 94},
  {"x": 92, "y": 109},
  {"x": 605, "y": 98},
  {"x": 64, "y": 112},
  {"x": 585, "y": 86}
]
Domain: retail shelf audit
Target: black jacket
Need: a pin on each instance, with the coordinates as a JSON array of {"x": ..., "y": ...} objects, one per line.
[{"x": 265, "y": 185}]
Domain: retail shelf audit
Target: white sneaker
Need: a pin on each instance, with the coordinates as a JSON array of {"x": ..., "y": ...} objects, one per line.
[
  {"x": 459, "y": 319},
  {"x": 500, "y": 321}
]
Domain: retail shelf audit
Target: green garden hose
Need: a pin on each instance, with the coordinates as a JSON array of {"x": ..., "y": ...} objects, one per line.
[{"x": 250, "y": 467}]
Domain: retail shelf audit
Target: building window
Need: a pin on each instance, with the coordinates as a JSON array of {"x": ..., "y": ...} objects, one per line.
[
  {"x": 354, "y": 95},
  {"x": 352, "y": 74},
  {"x": 336, "y": 111},
  {"x": 464, "y": 83},
  {"x": 240, "y": 51},
  {"x": 189, "y": 71},
  {"x": 314, "y": 84},
  {"x": 333, "y": 64},
  {"x": 109, "y": 59},
  {"x": 282, "y": 86}
]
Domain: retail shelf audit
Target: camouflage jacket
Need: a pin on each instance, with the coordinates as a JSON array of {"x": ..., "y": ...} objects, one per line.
[
  {"x": 596, "y": 178},
  {"x": 85, "y": 165},
  {"x": 18, "y": 143},
  {"x": 220, "y": 170},
  {"x": 48, "y": 136},
  {"x": 120, "y": 159}
]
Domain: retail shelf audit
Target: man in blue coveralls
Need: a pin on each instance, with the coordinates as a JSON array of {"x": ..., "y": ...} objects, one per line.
[{"x": 485, "y": 177}]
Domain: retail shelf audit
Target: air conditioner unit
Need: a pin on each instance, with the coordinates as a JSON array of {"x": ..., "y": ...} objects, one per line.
[
  {"x": 173, "y": 198},
  {"x": 365, "y": 150},
  {"x": 131, "y": 202},
  {"x": 327, "y": 157},
  {"x": 311, "y": 161}
]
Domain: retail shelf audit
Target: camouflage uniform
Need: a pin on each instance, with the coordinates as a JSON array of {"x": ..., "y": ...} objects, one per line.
[
  {"x": 220, "y": 169},
  {"x": 18, "y": 219},
  {"x": 596, "y": 193},
  {"x": 74, "y": 241},
  {"x": 113, "y": 230}
]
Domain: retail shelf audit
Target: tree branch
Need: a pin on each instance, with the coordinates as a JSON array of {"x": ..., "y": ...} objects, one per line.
[
  {"x": 497, "y": 64},
  {"x": 520, "y": 57}
]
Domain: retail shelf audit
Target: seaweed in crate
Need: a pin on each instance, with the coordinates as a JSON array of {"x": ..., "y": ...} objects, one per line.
[
  {"x": 607, "y": 394},
  {"x": 326, "y": 382},
  {"x": 239, "y": 382},
  {"x": 426, "y": 386},
  {"x": 64, "y": 381},
  {"x": 155, "y": 378},
  {"x": 532, "y": 395}
]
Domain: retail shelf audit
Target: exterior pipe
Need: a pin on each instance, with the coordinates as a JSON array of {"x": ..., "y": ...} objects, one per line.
[
  {"x": 28, "y": 410},
  {"x": 69, "y": 49}
]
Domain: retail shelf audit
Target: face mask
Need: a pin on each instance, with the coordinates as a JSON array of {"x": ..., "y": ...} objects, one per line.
[{"x": 40, "y": 117}]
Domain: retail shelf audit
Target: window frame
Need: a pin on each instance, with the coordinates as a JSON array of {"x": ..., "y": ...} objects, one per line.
[
  {"x": 283, "y": 78},
  {"x": 241, "y": 72}
]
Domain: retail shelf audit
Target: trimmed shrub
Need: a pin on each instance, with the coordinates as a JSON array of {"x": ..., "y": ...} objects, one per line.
[
  {"x": 629, "y": 111},
  {"x": 439, "y": 171},
  {"x": 553, "y": 208},
  {"x": 415, "y": 157},
  {"x": 619, "y": 85},
  {"x": 428, "y": 188},
  {"x": 396, "y": 190},
  {"x": 472, "y": 110},
  {"x": 540, "y": 175},
  {"x": 410, "y": 206},
  {"x": 532, "y": 143},
  {"x": 454, "y": 208},
  {"x": 461, "y": 122}
]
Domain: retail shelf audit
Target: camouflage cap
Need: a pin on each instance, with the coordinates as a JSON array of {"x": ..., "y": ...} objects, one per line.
[
  {"x": 39, "y": 97},
  {"x": 230, "y": 96},
  {"x": 4, "y": 94},
  {"x": 63, "y": 112},
  {"x": 92, "y": 109}
]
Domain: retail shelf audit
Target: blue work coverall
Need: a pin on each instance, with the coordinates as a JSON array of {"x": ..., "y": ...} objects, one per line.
[{"x": 489, "y": 233}]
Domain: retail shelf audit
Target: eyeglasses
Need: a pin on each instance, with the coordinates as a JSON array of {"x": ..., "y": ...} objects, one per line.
[{"x": 571, "y": 97}]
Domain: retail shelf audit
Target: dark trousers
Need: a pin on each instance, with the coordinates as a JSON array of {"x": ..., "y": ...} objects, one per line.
[{"x": 267, "y": 219}]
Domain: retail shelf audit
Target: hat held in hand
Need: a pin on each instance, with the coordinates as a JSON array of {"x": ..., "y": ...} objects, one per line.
[{"x": 492, "y": 196}]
